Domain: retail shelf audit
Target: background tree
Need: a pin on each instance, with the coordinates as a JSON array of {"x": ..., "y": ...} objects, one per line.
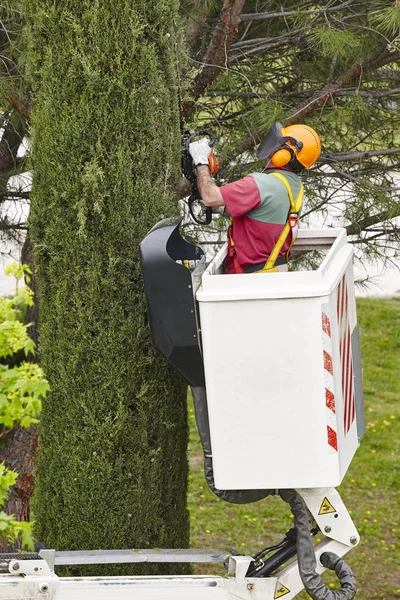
[
  {"x": 332, "y": 65},
  {"x": 106, "y": 155},
  {"x": 21, "y": 389},
  {"x": 251, "y": 62},
  {"x": 14, "y": 115},
  {"x": 248, "y": 63},
  {"x": 18, "y": 447}
]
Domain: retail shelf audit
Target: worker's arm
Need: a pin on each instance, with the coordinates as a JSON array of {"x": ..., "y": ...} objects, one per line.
[{"x": 209, "y": 191}]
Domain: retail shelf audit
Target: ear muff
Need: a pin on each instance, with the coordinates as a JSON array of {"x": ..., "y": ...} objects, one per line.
[{"x": 283, "y": 156}]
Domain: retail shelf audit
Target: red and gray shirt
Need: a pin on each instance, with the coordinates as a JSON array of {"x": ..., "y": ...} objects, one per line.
[{"x": 259, "y": 206}]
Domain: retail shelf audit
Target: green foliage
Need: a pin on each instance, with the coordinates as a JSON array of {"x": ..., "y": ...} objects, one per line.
[
  {"x": 13, "y": 332},
  {"x": 387, "y": 20},
  {"x": 7, "y": 479},
  {"x": 21, "y": 391},
  {"x": 10, "y": 529},
  {"x": 332, "y": 42},
  {"x": 264, "y": 115},
  {"x": 112, "y": 466}
]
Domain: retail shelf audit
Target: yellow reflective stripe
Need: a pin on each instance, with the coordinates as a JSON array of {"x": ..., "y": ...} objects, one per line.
[
  {"x": 269, "y": 265},
  {"x": 295, "y": 206}
]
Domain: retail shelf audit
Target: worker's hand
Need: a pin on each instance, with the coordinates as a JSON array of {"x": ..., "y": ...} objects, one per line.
[{"x": 200, "y": 151}]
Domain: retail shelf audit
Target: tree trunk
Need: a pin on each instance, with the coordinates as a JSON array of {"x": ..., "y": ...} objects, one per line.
[
  {"x": 18, "y": 454},
  {"x": 21, "y": 443},
  {"x": 112, "y": 465}
]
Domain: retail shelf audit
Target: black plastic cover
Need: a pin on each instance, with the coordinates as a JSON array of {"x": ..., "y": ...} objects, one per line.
[
  {"x": 275, "y": 140},
  {"x": 170, "y": 300}
]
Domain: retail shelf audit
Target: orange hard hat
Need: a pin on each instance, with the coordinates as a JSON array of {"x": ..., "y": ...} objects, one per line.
[
  {"x": 283, "y": 144},
  {"x": 311, "y": 148}
]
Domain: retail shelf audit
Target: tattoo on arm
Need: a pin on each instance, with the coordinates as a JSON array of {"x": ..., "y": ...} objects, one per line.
[{"x": 208, "y": 189}]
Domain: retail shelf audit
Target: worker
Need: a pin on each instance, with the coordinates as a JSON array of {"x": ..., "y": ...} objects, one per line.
[{"x": 264, "y": 206}]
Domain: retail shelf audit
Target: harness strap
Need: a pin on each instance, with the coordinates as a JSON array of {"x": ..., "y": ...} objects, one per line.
[
  {"x": 232, "y": 251},
  {"x": 291, "y": 225}
]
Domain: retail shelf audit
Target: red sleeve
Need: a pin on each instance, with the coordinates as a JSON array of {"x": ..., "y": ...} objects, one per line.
[{"x": 241, "y": 196}]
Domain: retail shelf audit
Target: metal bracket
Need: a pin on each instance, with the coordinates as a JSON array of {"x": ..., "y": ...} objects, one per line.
[
  {"x": 39, "y": 582},
  {"x": 29, "y": 567},
  {"x": 331, "y": 515}
]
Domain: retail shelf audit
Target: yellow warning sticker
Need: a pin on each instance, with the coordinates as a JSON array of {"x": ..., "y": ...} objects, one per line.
[
  {"x": 326, "y": 508},
  {"x": 280, "y": 590}
]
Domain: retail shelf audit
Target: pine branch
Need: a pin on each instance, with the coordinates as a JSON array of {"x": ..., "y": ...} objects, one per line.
[
  {"x": 10, "y": 227},
  {"x": 308, "y": 107},
  {"x": 357, "y": 70},
  {"x": 12, "y": 195},
  {"x": 216, "y": 56},
  {"x": 197, "y": 26},
  {"x": 363, "y": 224},
  {"x": 346, "y": 156},
  {"x": 295, "y": 38},
  {"x": 369, "y": 93},
  {"x": 289, "y": 13}
]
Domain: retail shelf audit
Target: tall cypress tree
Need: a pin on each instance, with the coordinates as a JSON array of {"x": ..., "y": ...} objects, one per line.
[{"x": 105, "y": 137}]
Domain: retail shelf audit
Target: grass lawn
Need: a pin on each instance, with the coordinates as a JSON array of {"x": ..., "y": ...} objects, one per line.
[{"x": 370, "y": 489}]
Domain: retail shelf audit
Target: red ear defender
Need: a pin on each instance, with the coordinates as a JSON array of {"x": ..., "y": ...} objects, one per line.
[{"x": 282, "y": 156}]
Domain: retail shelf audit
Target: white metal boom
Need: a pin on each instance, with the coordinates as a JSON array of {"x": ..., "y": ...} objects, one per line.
[{"x": 35, "y": 579}]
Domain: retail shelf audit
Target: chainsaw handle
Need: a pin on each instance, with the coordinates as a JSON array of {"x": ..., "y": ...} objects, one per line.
[
  {"x": 204, "y": 133},
  {"x": 208, "y": 212},
  {"x": 189, "y": 173}
]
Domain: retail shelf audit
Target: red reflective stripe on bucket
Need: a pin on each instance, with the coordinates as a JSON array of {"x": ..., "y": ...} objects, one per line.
[
  {"x": 328, "y": 377},
  {"x": 332, "y": 438}
]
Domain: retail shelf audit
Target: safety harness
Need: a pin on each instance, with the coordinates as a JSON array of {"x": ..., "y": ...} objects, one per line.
[{"x": 292, "y": 224}]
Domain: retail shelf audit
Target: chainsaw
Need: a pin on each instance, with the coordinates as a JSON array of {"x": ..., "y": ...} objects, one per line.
[{"x": 189, "y": 172}]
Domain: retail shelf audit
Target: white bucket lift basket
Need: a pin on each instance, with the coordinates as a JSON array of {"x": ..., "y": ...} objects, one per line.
[{"x": 283, "y": 370}]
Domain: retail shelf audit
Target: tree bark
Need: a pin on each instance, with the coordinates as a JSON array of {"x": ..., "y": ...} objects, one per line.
[
  {"x": 21, "y": 443},
  {"x": 18, "y": 454},
  {"x": 216, "y": 57}
]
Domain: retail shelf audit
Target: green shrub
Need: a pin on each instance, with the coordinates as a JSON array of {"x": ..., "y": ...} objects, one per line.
[{"x": 21, "y": 391}]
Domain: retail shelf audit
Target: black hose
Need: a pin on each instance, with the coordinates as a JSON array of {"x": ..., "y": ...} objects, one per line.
[
  {"x": 203, "y": 426},
  {"x": 312, "y": 581}
]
